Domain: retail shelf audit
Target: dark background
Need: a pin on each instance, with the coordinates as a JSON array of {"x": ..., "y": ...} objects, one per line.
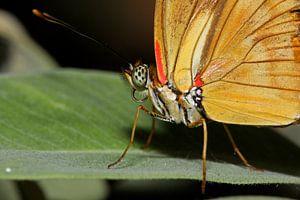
[{"x": 125, "y": 25}]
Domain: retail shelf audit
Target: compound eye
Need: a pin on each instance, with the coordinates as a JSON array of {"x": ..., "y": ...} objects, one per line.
[{"x": 139, "y": 77}]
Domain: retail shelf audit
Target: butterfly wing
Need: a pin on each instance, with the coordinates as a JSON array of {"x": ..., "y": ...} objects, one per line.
[
  {"x": 251, "y": 69},
  {"x": 171, "y": 24},
  {"x": 244, "y": 54}
]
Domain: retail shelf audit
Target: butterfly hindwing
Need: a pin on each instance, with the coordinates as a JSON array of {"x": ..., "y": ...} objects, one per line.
[{"x": 253, "y": 72}]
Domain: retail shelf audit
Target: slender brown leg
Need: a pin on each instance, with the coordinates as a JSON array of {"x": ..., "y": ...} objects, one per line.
[
  {"x": 149, "y": 139},
  {"x": 236, "y": 149},
  {"x": 204, "y": 150},
  {"x": 153, "y": 114}
]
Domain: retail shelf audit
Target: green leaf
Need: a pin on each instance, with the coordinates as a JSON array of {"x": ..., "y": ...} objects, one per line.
[
  {"x": 73, "y": 123},
  {"x": 74, "y": 189},
  {"x": 9, "y": 191}
]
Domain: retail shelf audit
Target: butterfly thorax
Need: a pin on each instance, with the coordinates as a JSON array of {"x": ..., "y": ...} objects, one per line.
[{"x": 169, "y": 103}]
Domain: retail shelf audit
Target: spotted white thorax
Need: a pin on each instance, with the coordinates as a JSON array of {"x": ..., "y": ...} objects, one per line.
[{"x": 170, "y": 104}]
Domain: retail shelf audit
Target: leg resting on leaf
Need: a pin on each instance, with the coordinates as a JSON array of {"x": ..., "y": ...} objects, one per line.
[
  {"x": 151, "y": 113},
  {"x": 237, "y": 150}
]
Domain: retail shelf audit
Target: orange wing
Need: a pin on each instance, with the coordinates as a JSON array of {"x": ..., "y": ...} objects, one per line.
[
  {"x": 177, "y": 25},
  {"x": 251, "y": 69}
]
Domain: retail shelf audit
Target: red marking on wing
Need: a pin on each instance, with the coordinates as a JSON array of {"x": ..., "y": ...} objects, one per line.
[
  {"x": 198, "y": 82},
  {"x": 160, "y": 71}
]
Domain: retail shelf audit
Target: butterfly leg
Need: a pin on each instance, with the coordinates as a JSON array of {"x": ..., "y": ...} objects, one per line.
[
  {"x": 236, "y": 149},
  {"x": 149, "y": 139},
  {"x": 153, "y": 114},
  {"x": 204, "y": 150}
]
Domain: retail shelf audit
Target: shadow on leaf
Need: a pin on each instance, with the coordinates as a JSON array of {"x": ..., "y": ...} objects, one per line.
[{"x": 263, "y": 147}]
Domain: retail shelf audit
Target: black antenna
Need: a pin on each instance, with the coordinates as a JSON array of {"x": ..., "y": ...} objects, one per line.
[{"x": 54, "y": 20}]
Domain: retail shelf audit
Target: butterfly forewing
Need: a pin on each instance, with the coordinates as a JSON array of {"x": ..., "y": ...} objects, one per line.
[
  {"x": 192, "y": 49},
  {"x": 172, "y": 20}
]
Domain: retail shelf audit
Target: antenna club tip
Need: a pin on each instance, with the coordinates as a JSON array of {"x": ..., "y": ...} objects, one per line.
[{"x": 37, "y": 13}]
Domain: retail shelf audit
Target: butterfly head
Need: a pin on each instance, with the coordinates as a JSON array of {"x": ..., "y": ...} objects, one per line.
[{"x": 139, "y": 79}]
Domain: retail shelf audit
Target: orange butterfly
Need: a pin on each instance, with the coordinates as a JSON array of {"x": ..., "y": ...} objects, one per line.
[{"x": 230, "y": 61}]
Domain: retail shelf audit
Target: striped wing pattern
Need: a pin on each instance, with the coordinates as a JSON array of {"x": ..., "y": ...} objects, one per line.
[
  {"x": 253, "y": 73},
  {"x": 247, "y": 54}
]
